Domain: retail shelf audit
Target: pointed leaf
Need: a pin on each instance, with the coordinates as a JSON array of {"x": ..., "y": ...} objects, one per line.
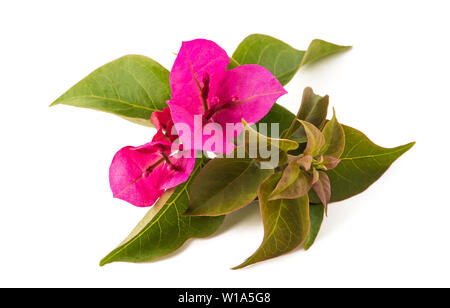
[
  {"x": 316, "y": 140},
  {"x": 279, "y": 58},
  {"x": 282, "y": 60},
  {"x": 334, "y": 138},
  {"x": 225, "y": 185},
  {"x": 132, "y": 87},
  {"x": 163, "y": 229},
  {"x": 319, "y": 49},
  {"x": 315, "y": 176},
  {"x": 305, "y": 162},
  {"x": 296, "y": 189},
  {"x": 286, "y": 223},
  {"x": 254, "y": 142},
  {"x": 362, "y": 163},
  {"x": 322, "y": 189},
  {"x": 330, "y": 162},
  {"x": 316, "y": 212},
  {"x": 280, "y": 115},
  {"x": 290, "y": 174},
  {"x": 313, "y": 109}
]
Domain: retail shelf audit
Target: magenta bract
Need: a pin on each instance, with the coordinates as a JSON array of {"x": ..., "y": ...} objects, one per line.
[
  {"x": 201, "y": 86},
  {"x": 164, "y": 124},
  {"x": 140, "y": 175},
  {"x": 204, "y": 93}
]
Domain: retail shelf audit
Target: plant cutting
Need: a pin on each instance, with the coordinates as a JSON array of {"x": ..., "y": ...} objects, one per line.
[{"x": 223, "y": 143}]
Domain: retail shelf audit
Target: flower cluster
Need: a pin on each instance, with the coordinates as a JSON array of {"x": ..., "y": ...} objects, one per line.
[{"x": 205, "y": 111}]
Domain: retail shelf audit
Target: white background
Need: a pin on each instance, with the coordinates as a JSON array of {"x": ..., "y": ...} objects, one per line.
[{"x": 57, "y": 214}]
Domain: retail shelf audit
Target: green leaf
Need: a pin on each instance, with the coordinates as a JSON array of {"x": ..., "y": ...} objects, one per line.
[
  {"x": 334, "y": 138},
  {"x": 282, "y": 60},
  {"x": 323, "y": 189},
  {"x": 319, "y": 49},
  {"x": 278, "y": 114},
  {"x": 293, "y": 189},
  {"x": 362, "y": 163},
  {"x": 164, "y": 229},
  {"x": 286, "y": 223},
  {"x": 132, "y": 87},
  {"x": 313, "y": 109},
  {"x": 316, "y": 212},
  {"x": 225, "y": 185},
  {"x": 254, "y": 142},
  {"x": 279, "y": 58},
  {"x": 316, "y": 140},
  {"x": 290, "y": 174}
]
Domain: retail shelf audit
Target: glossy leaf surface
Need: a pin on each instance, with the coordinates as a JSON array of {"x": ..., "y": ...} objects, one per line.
[
  {"x": 225, "y": 185},
  {"x": 316, "y": 213},
  {"x": 334, "y": 138},
  {"x": 282, "y": 60},
  {"x": 132, "y": 87},
  {"x": 362, "y": 163},
  {"x": 286, "y": 223},
  {"x": 164, "y": 229}
]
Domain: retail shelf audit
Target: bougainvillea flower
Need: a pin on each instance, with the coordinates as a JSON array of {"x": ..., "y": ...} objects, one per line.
[
  {"x": 164, "y": 125},
  {"x": 201, "y": 86},
  {"x": 140, "y": 175}
]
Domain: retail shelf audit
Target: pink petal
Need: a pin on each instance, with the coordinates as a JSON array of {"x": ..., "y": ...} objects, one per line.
[
  {"x": 184, "y": 122},
  {"x": 164, "y": 124},
  {"x": 196, "y": 64},
  {"x": 197, "y": 61},
  {"x": 194, "y": 134},
  {"x": 201, "y": 86},
  {"x": 246, "y": 92},
  {"x": 180, "y": 170},
  {"x": 161, "y": 137},
  {"x": 215, "y": 138},
  {"x": 131, "y": 179},
  {"x": 161, "y": 119}
]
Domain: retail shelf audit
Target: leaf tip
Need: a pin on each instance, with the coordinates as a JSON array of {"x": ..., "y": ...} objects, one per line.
[
  {"x": 407, "y": 147},
  {"x": 240, "y": 266},
  {"x": 410, "y": 145},
  {"x": 103, "y": 262},
  {"x": 345, "y": 47},
  {"x": 326, "y": 42}
]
